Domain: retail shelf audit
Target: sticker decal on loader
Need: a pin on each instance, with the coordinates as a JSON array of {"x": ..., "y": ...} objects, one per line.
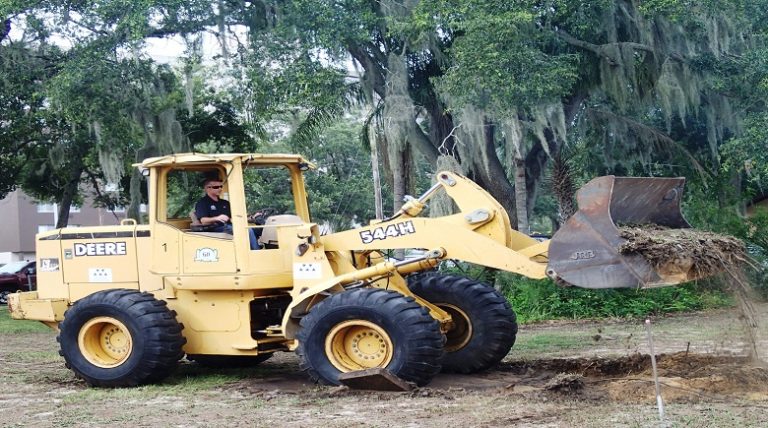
[
  {"x": 99, "y": 275},
  {"x": 206, "y": 255},
  {"x": 384, "y": 232},
  {"x": 307, "y": 271},
  {"x": 100, "y": 249},
  {"x": 49, "y": 265}
]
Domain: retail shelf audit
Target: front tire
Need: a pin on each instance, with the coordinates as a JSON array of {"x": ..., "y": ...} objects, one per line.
[
  {"x": 485, "y": 326},
  {"x": 369, "y": 328},
  {"x": 118, "y": 338}
]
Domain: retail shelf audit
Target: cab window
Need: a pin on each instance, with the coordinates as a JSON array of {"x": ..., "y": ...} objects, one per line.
[
  {"x": 268, "y": 186},
  {"x": 184, "y": 188}
]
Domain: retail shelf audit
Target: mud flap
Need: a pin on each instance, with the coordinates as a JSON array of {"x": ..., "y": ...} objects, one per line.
[{"x": 584, "y": 252}]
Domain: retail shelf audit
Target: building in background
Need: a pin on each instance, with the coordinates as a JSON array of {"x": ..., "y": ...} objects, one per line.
[{"x": 23, "y": 217}]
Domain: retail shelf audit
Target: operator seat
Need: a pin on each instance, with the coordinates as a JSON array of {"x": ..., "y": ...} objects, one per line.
[{"x": 269, "y": 237}]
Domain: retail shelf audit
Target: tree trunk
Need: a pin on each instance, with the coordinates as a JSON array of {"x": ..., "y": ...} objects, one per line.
[
  {"x": 148, "y": 150},
  {"x": 70, "y": 190},
  {"x": 521, "y": 195},
  {"x": 372, "y": 139},
  {"x": 537, "y": 158},
  {"x": 400, "y": 161},
  {"x": 400, "y": 164},
  {"x": 134, "y": 207},
  {"x": 493, "y": 178},
  {"x": 563, "y": 188}
]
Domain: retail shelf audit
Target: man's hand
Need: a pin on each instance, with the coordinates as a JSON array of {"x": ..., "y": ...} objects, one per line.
[
  {"x": 260, "y": 216},
  {"x": 222, "y": 218}
]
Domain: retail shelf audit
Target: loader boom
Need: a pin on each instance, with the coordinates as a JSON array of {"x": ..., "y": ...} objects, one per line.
[{"x": 480, "y": 233}]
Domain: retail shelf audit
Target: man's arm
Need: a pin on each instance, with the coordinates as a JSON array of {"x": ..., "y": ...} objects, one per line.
[
  {"x": 221, "y": 218},
  {"x": 203, "y": 212}
]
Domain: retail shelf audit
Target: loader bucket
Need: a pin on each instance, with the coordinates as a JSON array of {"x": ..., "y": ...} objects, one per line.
[{"x": 585, "y": 251}]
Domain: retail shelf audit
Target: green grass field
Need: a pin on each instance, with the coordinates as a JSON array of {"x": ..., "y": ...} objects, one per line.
[{"x": 8, "y": 325}]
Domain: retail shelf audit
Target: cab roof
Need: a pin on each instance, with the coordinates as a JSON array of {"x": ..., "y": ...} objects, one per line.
[{"x": 205, "y": 158}]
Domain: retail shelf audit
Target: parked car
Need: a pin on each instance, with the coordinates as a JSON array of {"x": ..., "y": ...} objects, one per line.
[{"x": 16, "y": 276}]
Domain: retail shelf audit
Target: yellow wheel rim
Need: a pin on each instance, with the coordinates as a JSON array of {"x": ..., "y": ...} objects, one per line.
[
  {"x": 105, "y": 342},
  {"x": 358, "y": 345},
  {"x": 458, "y": 336}
]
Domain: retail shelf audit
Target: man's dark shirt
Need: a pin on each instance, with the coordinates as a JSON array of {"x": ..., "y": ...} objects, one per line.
[{"x": 207, "y": 207}]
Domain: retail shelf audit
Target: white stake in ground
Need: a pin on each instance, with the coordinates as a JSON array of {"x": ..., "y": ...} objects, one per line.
[{"x": 659, "y": 401}]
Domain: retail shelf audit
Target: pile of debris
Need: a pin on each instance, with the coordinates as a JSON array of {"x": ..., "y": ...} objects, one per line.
[{"x": 696, "y": 253}]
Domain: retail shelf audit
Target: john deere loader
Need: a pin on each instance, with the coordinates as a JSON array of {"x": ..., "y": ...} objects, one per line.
[{"x": 130, "y": 301}]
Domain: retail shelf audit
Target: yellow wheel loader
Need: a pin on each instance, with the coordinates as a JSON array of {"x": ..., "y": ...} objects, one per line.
[{"x": 130, "y": 301}]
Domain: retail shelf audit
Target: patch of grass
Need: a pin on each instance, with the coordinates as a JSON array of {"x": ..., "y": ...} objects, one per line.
[
  {"x": 48, "y": 376},
  {"x": 186, "y": 381},
  {"x": 541, "y": 344},
  {"x": 12, "y": 326},
  {"x": 32, "y": 356},
  {"x": 72, "y": 417}
]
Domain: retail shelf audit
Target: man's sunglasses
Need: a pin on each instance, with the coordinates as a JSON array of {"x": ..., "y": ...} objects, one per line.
[{"x": 215, "y": 187}]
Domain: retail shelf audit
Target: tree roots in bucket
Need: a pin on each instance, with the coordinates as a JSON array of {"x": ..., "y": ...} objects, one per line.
[{"x": 698, "y": 253}]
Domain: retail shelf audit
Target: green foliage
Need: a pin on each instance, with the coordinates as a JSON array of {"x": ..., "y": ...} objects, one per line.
[
  {"x": 215, "y": 127},
  {"x": 332, "y": 24},
  {"x": 541, "y": 300},
  {"x": 496, "y": 46},
  {"x": 26, "y": 122},
  {"x": 538, "y": 300},
  {"x": 340, "y": 190},
  {"x": 747, "y": 155},
  {"x": 714, "y": 208}
]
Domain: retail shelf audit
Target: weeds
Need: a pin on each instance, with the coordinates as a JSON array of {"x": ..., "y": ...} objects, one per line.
[{"x": 537, "y": 300}]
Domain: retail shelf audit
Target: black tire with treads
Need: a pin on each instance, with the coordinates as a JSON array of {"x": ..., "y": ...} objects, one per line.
[
  {"x": 416, "y": 340},
  {"x": 151, "y": 330},
  {"x": 491, "y": 324}
]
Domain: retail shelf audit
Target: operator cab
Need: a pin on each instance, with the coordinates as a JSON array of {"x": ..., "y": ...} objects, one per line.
[{"x": 264, "y": 192}]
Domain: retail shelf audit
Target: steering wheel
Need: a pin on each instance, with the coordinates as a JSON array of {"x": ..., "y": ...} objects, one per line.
[{"x": 261, "y": 215}]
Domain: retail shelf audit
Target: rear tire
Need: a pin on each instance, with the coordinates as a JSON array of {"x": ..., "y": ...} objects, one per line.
[
  {"x": 368, "y": 328},
  {"x": 4, "y": 297},
  {"x": 120, "y": 337},
  {"x": 485, "y": 326},
  {"x": 227, "y": 361}
]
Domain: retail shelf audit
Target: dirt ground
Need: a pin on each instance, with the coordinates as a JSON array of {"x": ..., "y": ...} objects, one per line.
[{"x": 559, "y": 374}]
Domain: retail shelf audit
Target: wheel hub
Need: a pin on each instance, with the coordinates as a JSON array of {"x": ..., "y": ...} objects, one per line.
[
  {"x": 358, "y": 345},
  {"x": 105, "y": 342},
  {"x": 461, "y": 333}
]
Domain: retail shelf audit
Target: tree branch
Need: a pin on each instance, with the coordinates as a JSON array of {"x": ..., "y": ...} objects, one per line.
[
  {"x": 661, "y": 138},
  {"x": 99, "y": 195},
  {"x": 603, "y": 49},
  {"x": 373, "y": 70}
]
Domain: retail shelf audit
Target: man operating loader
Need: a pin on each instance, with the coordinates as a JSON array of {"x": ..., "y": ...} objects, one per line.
[{"x": 213, "y": 211}]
